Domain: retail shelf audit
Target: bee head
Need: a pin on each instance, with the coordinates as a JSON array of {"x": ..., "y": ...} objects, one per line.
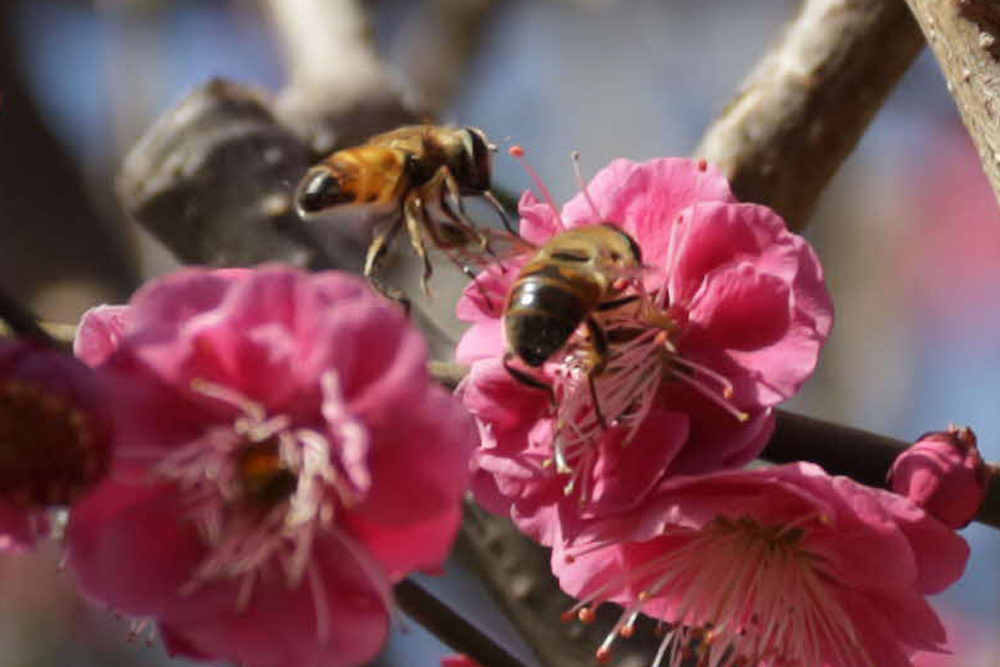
[
  {"x": 318, "y": 190},
  {"x": 480, "y": 157}
]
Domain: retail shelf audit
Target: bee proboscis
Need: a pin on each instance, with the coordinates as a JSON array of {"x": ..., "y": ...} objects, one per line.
[{"x": 413, "y": 177}]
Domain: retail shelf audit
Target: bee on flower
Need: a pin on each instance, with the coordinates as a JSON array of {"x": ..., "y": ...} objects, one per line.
[{"x": 724, "y": 319}]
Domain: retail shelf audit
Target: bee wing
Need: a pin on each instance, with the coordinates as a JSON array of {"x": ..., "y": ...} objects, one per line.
[{"x": 500, "y": 247}]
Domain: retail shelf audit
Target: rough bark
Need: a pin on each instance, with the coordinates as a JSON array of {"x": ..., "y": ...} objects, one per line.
[
  {"x": 806, "y": 104},
  {"x": 965, "y": 37},
  {"x": 213, "y": 179}
]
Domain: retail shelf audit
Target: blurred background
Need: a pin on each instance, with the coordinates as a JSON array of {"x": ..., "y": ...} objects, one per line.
[{"x": 909, "y": 231}]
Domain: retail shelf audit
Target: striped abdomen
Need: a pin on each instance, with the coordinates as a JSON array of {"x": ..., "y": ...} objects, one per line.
[{"x": 546, "y": 305}]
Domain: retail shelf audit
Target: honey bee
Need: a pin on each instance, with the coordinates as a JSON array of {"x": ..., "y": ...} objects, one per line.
[
  {"x": 576, "y": 274},
  {"x": 413, "y": 176}
]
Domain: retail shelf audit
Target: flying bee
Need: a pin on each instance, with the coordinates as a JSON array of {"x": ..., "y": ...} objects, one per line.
[
  {"x": 413, "y": 176},
  {"x": 578, "y": 273}
]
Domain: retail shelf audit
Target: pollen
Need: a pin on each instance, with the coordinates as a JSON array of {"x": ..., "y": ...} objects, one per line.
[{"x": 50, "y": 451}]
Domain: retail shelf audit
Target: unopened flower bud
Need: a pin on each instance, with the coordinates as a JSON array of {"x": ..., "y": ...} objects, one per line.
[{"x": 944, "y": 474}]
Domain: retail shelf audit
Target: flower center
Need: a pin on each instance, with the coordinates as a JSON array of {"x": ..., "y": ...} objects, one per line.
[
  {"x": 737, "y": 593},
  {"x": 49, "y": 450},
  {"x": 265, "y": 478},
  {"x": 262, "y": 491}
]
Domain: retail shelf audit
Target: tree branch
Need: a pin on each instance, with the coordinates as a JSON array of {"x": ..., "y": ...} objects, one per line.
[
  {"x": 212, "y": 180},
  {"x": 453, "y": 630},
  {"x": 806, "y": 104},
  {"x": 965, "y": 38},
  {"x": 339, "y": 91},
  {"x": 438, "y": 47}
]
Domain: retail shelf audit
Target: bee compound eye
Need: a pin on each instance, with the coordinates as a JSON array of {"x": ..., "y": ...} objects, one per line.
[{"x": 320, "y": 190}]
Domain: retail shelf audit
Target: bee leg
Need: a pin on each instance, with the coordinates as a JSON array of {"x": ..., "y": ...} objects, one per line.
[
  {"x": 498, "y": 207},
  {"x": 617, "y": 303},
  {"x": 600, "y": 343},
  {"x": 452, "y": 206},
  {"x": 377, "y": 252},
  {"x": 525, "y": 378},
  {"x": 416, "y": 220}
]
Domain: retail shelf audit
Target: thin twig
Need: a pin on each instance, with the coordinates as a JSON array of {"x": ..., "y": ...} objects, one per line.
[
  {"x": 451, "y": 628},
  {"x": 965, "y": 37},
  {"x": 807, "y": 103},
  {"x": 22, "y": 322}
]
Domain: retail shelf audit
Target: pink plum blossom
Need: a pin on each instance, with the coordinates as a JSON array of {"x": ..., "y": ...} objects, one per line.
[
  {"x": 54, "y": 436},
  {"x": 730, "y": 314},
  {"x": 777, "y": 567},
  {"x": 943, "y": 473},
  {"x": 282, "y": 460}
]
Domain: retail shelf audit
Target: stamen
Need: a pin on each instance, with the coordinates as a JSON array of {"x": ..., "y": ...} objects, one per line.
[
  {"x": 727, "y": 386},
  {"x": 773, "y": 606},
  {"x": 228, "y": 395},
  {"x": 712, "y": 395},
  {"x": 519, "y": 154},
  {"x": 352, "y": 435},
  {"x": 380, "y": 583},
  {"x": 583, "y": 186},
  {"x": 321, "y": 606}
]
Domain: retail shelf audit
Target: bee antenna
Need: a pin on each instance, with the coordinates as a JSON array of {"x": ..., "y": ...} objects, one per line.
[
  {"x": 518, "y": 153},
  {"x": 583, "y": 185}
]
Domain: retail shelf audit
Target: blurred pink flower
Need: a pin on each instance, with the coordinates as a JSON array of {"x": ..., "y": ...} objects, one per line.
[
  {"x": 459, "y": 660},
  {"x": 54, "y": 436},
  {"x": 943, "y": 473},
  {"x": 777, "y": 566},
  {"x": 283, "y": 459},
  {"x": 948, "y": 261},
  {"x": 733, "y": 311}
]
